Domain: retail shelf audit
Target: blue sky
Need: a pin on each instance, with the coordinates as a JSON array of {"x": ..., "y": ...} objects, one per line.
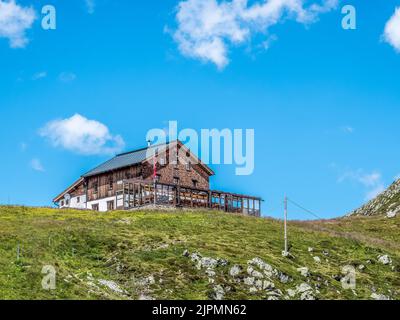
[{"x": 324, "y": 101}]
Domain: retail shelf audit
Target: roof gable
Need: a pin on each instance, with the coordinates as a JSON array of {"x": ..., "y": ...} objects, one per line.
[{"x": 135, "y": 157}]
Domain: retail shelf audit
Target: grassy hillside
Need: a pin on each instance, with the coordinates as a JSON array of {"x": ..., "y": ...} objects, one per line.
[{"x": 202, "y": 255}]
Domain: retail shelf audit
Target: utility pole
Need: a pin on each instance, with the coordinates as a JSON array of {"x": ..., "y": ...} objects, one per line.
[
  {"x": 285, "y": 252},
  {"x": 155, "y": 176}
]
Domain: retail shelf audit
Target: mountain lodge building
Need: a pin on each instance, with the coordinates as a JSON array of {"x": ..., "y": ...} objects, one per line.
[{"x": 148, "y": 177}]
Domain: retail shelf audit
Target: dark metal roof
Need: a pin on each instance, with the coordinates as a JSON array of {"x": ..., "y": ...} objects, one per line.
[{"x": 124, "y": 160}]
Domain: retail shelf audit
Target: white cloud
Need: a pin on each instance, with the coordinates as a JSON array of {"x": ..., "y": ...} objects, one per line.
[
  {"x": 36, "y": 165},
  {"x": 14, "y": 21},
  {"x": 348, "y": 129},
  {"x": 206, "y": 28},
  {"x": 392, "y": 30},
  {"x": 81, "y": 135},
  {"x": 371, "y": 181},
  {"x": 90, "y": 5},
  {"x": 67, "y": 76},
  {"x": 39, "y": 75},
  {"x": 372, "y": 194}
]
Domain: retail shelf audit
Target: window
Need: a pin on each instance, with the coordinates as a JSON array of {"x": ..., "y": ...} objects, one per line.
[
  {"x": 195, "y": 183},
  {"x": 62, "y": 203},
  {"x": 78, "y": 199},
  {"x": 110, "y": 183},
  {"x": 188, "y": 166},
  {"x": 66, "y": 202},
  {"x": 158, "y": 177},
  {"x": 162, "y": 161},
  {"x": 176, "y": 180},
  {"x": 95, "y": 187},
  {"x": 176, "y": 162},
  {"x": 110, "y": 205},
  {"x": 95, "y": 207}
]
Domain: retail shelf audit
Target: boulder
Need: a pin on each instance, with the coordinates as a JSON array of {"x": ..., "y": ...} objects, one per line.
[{"x": 385, "y": 260}]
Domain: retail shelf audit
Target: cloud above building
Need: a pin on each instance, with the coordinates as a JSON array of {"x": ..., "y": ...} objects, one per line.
[
  {"x": 15, "y": 20},
  {"x": 391, "y": 34},
  {"x": 206, "y": 29},
  {"x": 83, "y": 136}
]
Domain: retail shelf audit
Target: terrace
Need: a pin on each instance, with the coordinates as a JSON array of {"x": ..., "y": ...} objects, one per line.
[{"x": 136, "y": 194}]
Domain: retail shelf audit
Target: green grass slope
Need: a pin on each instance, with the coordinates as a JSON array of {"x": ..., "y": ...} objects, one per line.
[{"x": 192, "y": 255}]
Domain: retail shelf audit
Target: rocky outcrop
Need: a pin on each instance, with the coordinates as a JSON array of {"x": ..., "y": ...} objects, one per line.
[{"x": 386, "y": 204}]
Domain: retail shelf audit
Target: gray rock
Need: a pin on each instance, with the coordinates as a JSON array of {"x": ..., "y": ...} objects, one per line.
[
  {"x": 267, "y": 269},
  {"x": 303, "y": 290},
  {"x": 254, "y": 273},
  {"x": 292, "y": 293},
  {"x": 209, "y": 263},
  {"x": 307, "y": 296},
  {"x": 275, "y": 292},
  {"x": 391, "y": 214},
  {"x": 219, "y": 293},
  {"x": 284, "y": 278},
  {"x": 195, "y": 257},
  {"x": 112, "y": 286},
  {"x": 235, "y": 271},
  {"x": 317, "y": 259},
  {"x": 380, "y": 297},
  {"x": 304, "y": 272},
  {"x": 304, "y": 287},
  {"x": 222, "y": 262},
  {"x": 253, "y": 290},
  {"x": 145, "y": 297},
  {"x": 385, "y": 260},
  {"x": 211, "y": 273},
  {"x": 268, "y": 285},
  {"x": 259, "y": 284},
  {"x": 249, "y": 281}
]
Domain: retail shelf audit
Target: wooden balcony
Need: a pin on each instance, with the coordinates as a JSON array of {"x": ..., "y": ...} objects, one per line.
[{"x": 136, "y": 194}]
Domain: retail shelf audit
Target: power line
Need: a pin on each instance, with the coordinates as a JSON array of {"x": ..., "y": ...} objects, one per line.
[{"x": 304, "y": 209}]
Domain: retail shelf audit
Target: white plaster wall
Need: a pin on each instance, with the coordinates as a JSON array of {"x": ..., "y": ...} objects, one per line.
[
  {"x": 102, "y": 203},
  {"x": 74, "y": 204},
  {"x": 78, "y": 205}
]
